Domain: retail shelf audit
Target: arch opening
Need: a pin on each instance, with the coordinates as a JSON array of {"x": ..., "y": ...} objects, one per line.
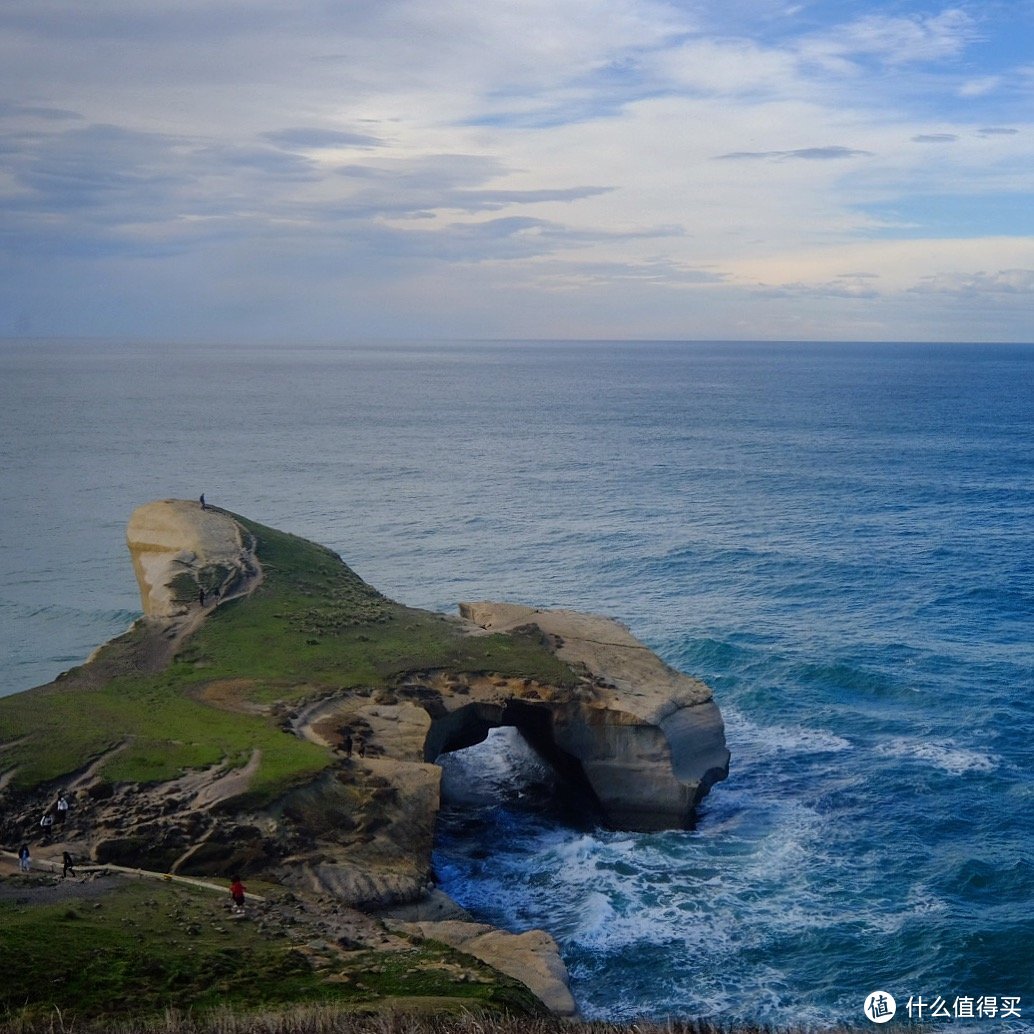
[{"x": 559, "y": 782}]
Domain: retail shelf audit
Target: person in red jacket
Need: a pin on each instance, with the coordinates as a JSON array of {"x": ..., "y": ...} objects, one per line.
[{"x": 237, "y": 890}]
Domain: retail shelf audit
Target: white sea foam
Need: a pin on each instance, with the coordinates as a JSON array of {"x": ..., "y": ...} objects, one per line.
[
  {"x": 746, "y": 736},
  {"x": 942, "y": 754}
]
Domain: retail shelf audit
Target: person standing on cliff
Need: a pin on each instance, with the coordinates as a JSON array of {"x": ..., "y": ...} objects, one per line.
[
  {"x": 62, "y": 809},
  {"x": 202, "y": 501}
]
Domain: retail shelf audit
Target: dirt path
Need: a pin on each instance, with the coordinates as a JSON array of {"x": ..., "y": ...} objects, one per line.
[
  {"x": 105, "y": 875},
  {"x": 167, "y": 637}
]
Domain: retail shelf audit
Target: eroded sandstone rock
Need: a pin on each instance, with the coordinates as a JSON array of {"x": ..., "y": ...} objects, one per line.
[
  {"x": 533, "y": 957},
  {"x": 650, "y": 740},
  {"x": 178, "y": 549},
  {"x": 644, "y": 741}
]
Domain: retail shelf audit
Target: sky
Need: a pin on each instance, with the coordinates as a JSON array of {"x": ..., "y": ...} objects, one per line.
[{"x": 333, "y": 170}]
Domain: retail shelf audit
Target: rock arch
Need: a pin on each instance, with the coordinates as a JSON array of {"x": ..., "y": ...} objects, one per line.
[
  {"x": 471, "y": 724},
  {"x": 649, "y": 740}
]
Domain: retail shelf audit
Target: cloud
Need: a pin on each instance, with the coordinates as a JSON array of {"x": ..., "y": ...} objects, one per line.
[
  {"x": 328, "y": 155},
  {"x": 312, "y": 139},
  {"x": 891, "y": 40},
  {"x": 980, "y": 87},
  {"x": 846, "y": 288},
  {"x": 658, "y": 272},
  {"x": 1004, "y": 282},
  {"x": 491, "y": 200},
  {"x": 834, "y": 153},
  {"x": 9, "y": 110}
]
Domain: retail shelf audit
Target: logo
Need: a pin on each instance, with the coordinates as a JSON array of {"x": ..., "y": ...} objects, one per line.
[{"x": 880, "y": 1006}]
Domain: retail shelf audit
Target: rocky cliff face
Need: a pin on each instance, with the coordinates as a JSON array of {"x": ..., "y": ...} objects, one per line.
[
  {"x": 650, "y": 740},
  {"x": 179, "y": 550}
]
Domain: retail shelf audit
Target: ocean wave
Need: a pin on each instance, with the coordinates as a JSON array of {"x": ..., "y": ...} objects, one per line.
[
  {"x": 940, "y": 754},
  {"x": 771, "y": 738}
]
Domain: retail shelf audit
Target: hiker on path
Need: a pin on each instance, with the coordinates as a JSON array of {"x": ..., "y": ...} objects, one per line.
[
  {"x": 24, "y": 858},
  {"x": 62, "y": 809},
  {"x": 46, "y": 824},
  {"x": 66, "y": 865},
  {"x": 237, "y": 890}
]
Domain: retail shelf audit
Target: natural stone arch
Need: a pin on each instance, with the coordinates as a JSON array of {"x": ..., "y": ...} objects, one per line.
[
  {"x": 649, "y": 740},
  {"x": 471, "y": 724}
]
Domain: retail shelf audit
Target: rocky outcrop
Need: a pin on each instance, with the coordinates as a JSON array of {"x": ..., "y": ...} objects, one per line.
[
  {"x": 533, "y": 957},
  {"x": 639, "y": 741},
  {"x": 649, "y": 740},
  {"x": 178, "y": 549}
]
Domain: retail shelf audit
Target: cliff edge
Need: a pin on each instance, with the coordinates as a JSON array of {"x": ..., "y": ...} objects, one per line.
[{"x": 180, "y": 550}]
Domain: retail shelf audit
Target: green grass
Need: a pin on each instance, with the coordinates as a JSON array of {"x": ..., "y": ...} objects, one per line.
[
  {"x": 312, "y": 627},
  {"x": 164, "y": 733},
  {"x": 445, "y": 1019},
  {"x": 318, "y": 623},
  {"x": 146, "y": 947}
]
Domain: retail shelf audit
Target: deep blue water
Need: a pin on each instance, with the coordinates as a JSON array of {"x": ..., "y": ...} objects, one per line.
[{"x": 838, "y": 538}]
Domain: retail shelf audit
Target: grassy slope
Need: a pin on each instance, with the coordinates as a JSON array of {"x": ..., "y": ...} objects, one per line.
[
  {"x": 145, "y": 947},
  {"x": 312, "y": 627}
]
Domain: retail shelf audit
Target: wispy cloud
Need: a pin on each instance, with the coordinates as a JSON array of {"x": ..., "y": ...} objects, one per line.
[
  {"x": 822, "y": 154},
  {"x": 314, "y": 138},
  {"x": 894, "y": 40},
  {"x": 1004, "y": 281}
]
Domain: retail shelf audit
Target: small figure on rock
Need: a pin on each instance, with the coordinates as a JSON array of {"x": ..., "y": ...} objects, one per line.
[
  {"x": 237, "y": 890},
  {"x": 202, "y": 501},
  {"x": 346, "y": 744},
  {"x": 201, "y": 597},
  {"x": 24, "y": 858},
  {"x": 62, "y": 809},
  {"x": 46, "y": 824},
  {"x": 66, "y": 865},
  {"x": 362, "y": 748}
]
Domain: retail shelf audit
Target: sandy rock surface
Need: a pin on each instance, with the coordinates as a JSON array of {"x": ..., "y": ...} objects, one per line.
[
  {"x": 533, "y": 958},
  {"x": 173, "y": 537}
]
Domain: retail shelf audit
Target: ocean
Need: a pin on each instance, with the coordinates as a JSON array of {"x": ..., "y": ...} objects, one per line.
[{"x": 838, "y": 538}]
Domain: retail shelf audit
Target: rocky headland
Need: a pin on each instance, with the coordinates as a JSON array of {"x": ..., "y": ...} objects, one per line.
[{"x": 272, "y": 714}]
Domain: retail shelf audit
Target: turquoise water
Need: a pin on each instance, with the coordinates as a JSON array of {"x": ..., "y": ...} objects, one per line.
[{"x": 837, "y": 538}]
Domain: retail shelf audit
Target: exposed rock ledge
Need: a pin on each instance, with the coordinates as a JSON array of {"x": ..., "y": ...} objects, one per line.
[
  {"x": 649, "y": 739},
  {"x": 532, "y": 957},
  {"x": 178, "y": 549}
]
